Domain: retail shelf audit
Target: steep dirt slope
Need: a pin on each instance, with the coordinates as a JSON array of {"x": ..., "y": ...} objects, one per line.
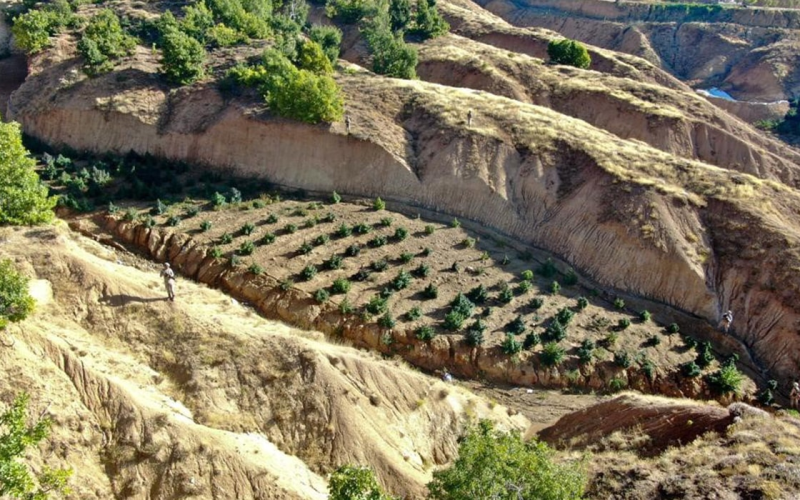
[
  {"x": 749, "y": 52},
  {"x": 203, "y": 398},
  {"x": 725, "y": 453}
]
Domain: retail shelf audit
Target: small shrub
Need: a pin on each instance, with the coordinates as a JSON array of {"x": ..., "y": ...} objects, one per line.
[
  {"x": 205, "y": 226},
  {"x": 505, "y": 260},
  {"x": 429, "y": 229},
  {"x": 616, "y": 384},
  {"x": 246, "y": 248},
  {"x": 286, "y": 284},
  {"x": 556, "y": 331},
  {"x": 402, "y": 280},
  {"x": 570, "y": 278},
  {"x": 673, "y": 328},
  {"x": 565, "y": 315},
  {"x": 259, "y": 204},
  {"x": 619, "y": 303},
  {"x": 386, "y": 221},
  {"x": 478, "y": 295},
  {"x": 552, "y": 354},
  {"x": 610, "y": 340},
  {"x": 234, "y": 261},
  {"x": 362, "y": 228},
  {"x": 218, "y": 201},
  {"x": 216, "y": 253},
  {"x": 653, "y": 341},
  {"x": 406, "y": 257},
  {"x": 586, "y": 351},
  {"x": 690, "y": 369},
  {"x": 422, "y": 270},
  {"x": 527, "y": 275},
  {"x": 329, "y": 217},
  {"x": 453, "y": 321},
  {"x": 569, "y": 52},
  {"x": 425, "y": 332},
  {"x": 226, "y": 238},
  {"x": 516, "y": 326},
  {"x": 414, "y": 313},
  {"x": 622, "y": 359},
  {"x": 192, "y": 211},
  {"x": 272, "y": 219},
  {"x": 506, "y": 295},
  {"x": 112, "y": 209},
  {"x": 523, "y": 287},
  {"x": 387, "y": 321},
  {"x": 378, "y": 241},
  {"x": 582, "y": 304},
  {"x": 623, "y": 323},
  {"x": 379, "y": 265},
  {"x": 455, "y": 223},
  {"x": 378, "y": 204},
  {"x": 430, "y": 292},
  {"x": 689, "y": 342},
  {"x": 473, "y": 337},
  {"x": 532, "y": 339},
  {"x": 306, "y": 248},
  {"x": 173, "y": 221},
  {"x": 345, "y": 307},
  {"x": 462, "y": 305},
  {"x": 510, "y": 346},
  {"x": 649, "y": 369},
  {"x": 704, "y": 355},
  {"x": 536, "y": 303},
  {"x": 340, "y": 285},
  {"x": 334, "y": 263},
  {"x": 555, "y": 288},
  {"x": 268, "y": 239},
  {"x": 377, "y": 305},
  {"x": 645, "y": 316},
  {"x": 353, "y": 250},
  {"x": 322, "y": 296},
  {"x": 547, "y": 269},
  {"x": 400, "y": 233},
  {"x": 130, "y": 215},
  {"x": 256, "y": 269},
  {"x": 309, "y": 272},
  {"x": 343, "y": 231},
  {"x": 335, "y": 198},
  {"x": 484, "y": 256},
  {"x": 468, "y": 242},
  {"x": 321, "y": 239},
  {"x": 426, "y": 252},
  {"x": 290, "y": 228},
  {"x": 248, "y": 228},
  {"x": 310, "y": 222}
]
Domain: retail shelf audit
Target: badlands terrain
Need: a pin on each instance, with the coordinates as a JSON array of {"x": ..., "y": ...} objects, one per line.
[{"x": 563, "y": 240}]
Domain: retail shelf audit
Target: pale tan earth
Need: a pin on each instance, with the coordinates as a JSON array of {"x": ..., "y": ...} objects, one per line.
[{"x": 203, "y": 398}]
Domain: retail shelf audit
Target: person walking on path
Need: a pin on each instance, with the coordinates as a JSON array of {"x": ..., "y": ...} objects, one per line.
[
  {"x": 169, "y": 280},
  {"x": 727, "y": 320},
  {"x": 794, "y": 396}
]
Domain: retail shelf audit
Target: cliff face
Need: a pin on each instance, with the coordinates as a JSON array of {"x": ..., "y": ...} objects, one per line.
[{"x": 632, "y": 217}]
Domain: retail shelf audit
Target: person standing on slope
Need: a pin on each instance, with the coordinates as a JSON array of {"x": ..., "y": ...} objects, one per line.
[
  {"x": 727, "y": 320},
  {"x": 169, "y": 280},
  {"x": 794, "y": 395}
]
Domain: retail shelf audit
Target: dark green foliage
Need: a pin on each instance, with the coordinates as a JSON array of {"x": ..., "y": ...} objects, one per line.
[
  {"x": 112, "y": 209},
  {"x": 468, "y": 242},
  {"x": 387, "y": 292},
  {"x": 340, "y": 285},
  {"x": 306, "y": 248},
  {"x": 290, "y": 228},
  {"x": 479, "y": 294},
  {"x": 565, "y": 315},
  {"x": 286, "y": 284},
  {"x": 548, "y": 269},
  {"x": 216, "y": 253},
  {"x": 422, "y": 270},
  {"x": 489, "y": 462},
  {"x": 552, "y": 354},
  {"x": 430, "y": 292},
  {"x": 32, "y": 29},
  {"x": 506, "y": 260},
  {"x": 386, "y": 221},
  {"x": 391, "y": 56},
  {"x": 348, "y": 11},
  {"x": 645, "y": 316},
  {"x": 429, "y": 229},
  {"x": 218, "y": 201},
  {"x": 523, "y": 287},
  {"x": 653, "y": 341},
  {"x": 379, "y": 265},
  {"x": 378, "y": 241},
  {"x": 455, "y": 223},
  {"x": 248, "y": 228},
  {"x": 246, "y": 248},
  {"x": 335, "y": 262},
  {"x": 556, "y": 331},
  {"x": 353, "y": 250},
  {"x": 428, "y": 23},
  {"x": 311, "y": 57},
  {"x": 322, "y": 296},
  {"x": 690, "y": 369},
  {"x": 510, "y": 345},
  {"x": 103, "y": 42},
  {"x": 363, "y": 274},
  {"x": 454, "y": 320},
  {"x": 309, "y": 272},
  {"x": 704, "y": 355},
  {"x": 248, "y": 17},
  {"x": 234, "y": 261},
  {"x": 159, "y": 209},
  {"x": 183, "y": 59},
  {"x": 378, "y": 204},
  {"x": 387, "y": 321},
  {"x": 536, "y": 303},
  {"x": 173, "y": 220},
  {"x": 673, "y": 328},
  {"x": 569, "y": 52},
  {"x": 516, "y": 326},
  {"x": 726, "y": 380},
  {"x": 226, "y": 238},
  {"x": 531, "y": 340},
  {"x": 570, "y": 278},
  {"x": 400, "y": 233},
  {"x": 330, "y": 39},
  {"x": 268, "y": 239},
  {"x": 462, "y": 305},
  {"x": 414, "y": 313},
  {"x": 623, "y": 323},
  {"x": 402, "y": 280},
  {"x": 192, "y": 211},
  {"x": 426, "y": 252},
  {"x": 256, "y": 269},
  {"x": 362, "y": 228},
  {"x": 582, "y": 304},
  {"x": 272, "y": 219},
  {"x": 425, "y": 332},
  {"x": 345, "y": 307},
  {"x": 555, "y": 287},
  {"x": 690, "y": 342},
  {"x": 310, "y": 222},
  {"x": 335, "y": 197},
  {"x": 321, "y": 239},
  {"x": 377, "y": 305},
  {"x": 15, "y": 301},
  {"x": 622, "y": 359},
  {"x": 399, "y": 14},
  {"x": 619, "y": 303},
  {"x": 586, "y": 351},
  {"x": 506, "y": 294},
  {"x": 527, "y": 275},
  {"x": 149, "y": 221},
  {"x": 474, "y": 334},
  {"x": 406, "y": 257},
  {"x": 649, "y": 369},
  {"x": 344, "y": 231}
]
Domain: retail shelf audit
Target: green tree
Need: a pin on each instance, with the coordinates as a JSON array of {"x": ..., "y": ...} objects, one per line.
[
  {"x": 197, "y": 21},
  {"x": 23, "y": 199},
  {"x": 391, "y": 56},
  {"x": 311, "y": 57},
  {"x": 33, "y": 29},
  {"x": 349, "y": 482},
  {"x": 223, "y": 36},
  {"x": 500, "y": 465},
  {"x": 103, "y": 42},
  {"x": 16, "y": 480},
  {"x": 399, "y": 14},
  {"x": 569, "y": 52},
  {"x": 329, "y": 38},
  {"x": 15, "y": 301},
  {"x": 428, "y": 22},
  {"x": 183, "y": 58}
]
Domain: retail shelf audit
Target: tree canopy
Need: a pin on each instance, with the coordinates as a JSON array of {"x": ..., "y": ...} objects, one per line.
[
  {"x": 355, "y": 483},
  {"x": 569, "y": 52},
  {"x": 15, "y": 301},
  {"x": 23, "y": 198}
]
